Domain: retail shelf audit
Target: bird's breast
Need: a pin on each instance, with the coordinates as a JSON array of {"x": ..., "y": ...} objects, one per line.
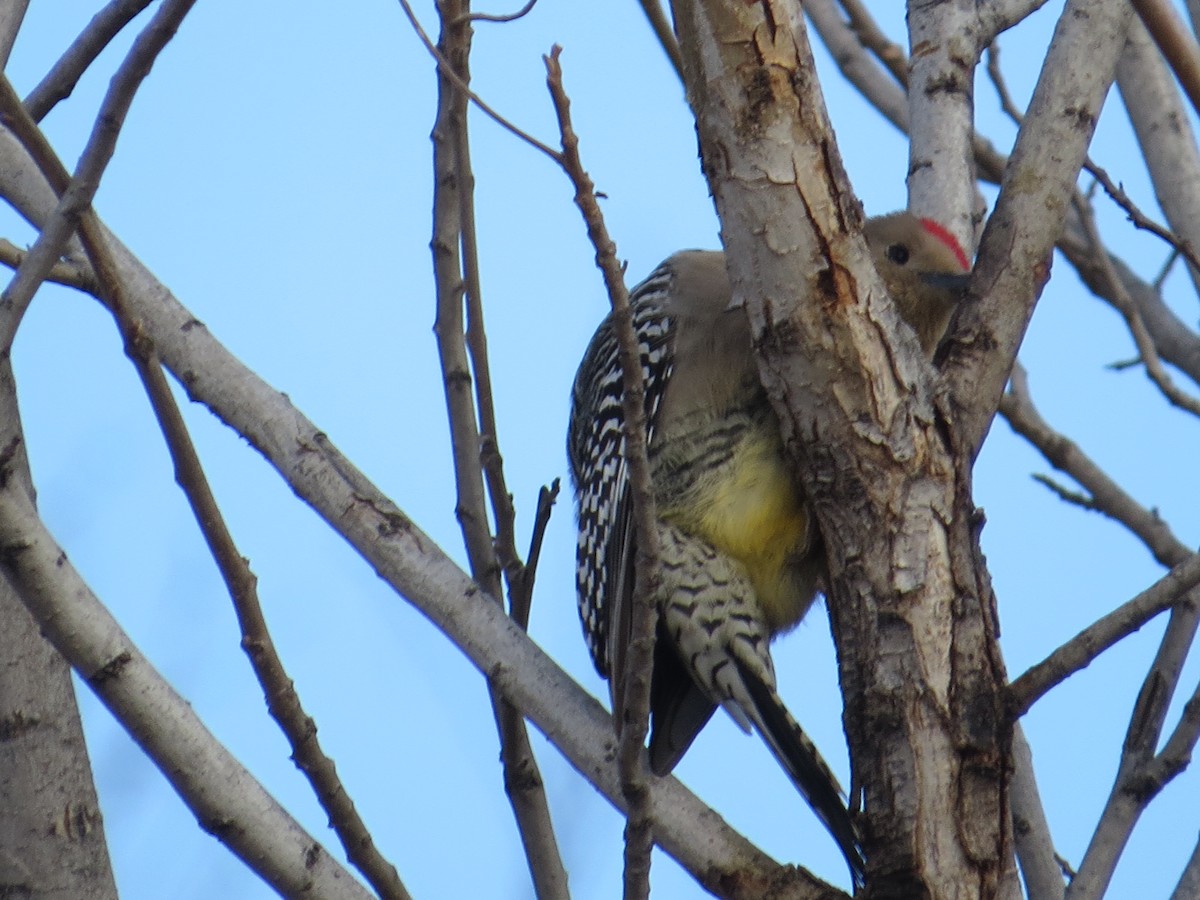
[{"x": 728, "y": 483}]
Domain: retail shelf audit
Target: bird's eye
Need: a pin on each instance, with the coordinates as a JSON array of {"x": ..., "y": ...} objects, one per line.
[{"x": 898, "y": 254}]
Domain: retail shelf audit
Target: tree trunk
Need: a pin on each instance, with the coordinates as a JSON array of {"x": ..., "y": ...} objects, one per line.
[
  {"x": 909, "y": 595},
  {"x": 52, "y": 843}
]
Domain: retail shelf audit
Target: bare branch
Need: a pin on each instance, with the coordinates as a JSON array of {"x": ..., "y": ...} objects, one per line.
[
  {"x": 1107, "y": 496},
  {"x": 503, "y": 548},
  {"x": 283, "y": 702},
  {"x": 521, "y": 592},
  {"x": 632, "y": 718},
  {"x": 1065, "y": 494},
  {"x": 37, "y": 262},
  {"x": 456, "y": 272},
  {"x": 63, "y": 272},
  {"x": 1140, "y": 775},
  {"x": 1177, "y": 752},
  {"x": 845, "y": 45},
  {"x": 447, "y": 70},
  {"x": 1124, "y": 805},
  {"x": 11, "y": 16},
  {"x": 941, "y": 174},
  {"x": 1133, "y": 320},
  {"x": 77, "y": 192},
  {"x": 1189, "y": 882},
  {"x": 1175, "y": 342},
  {"x": 996, "y": 76},
  {"x": 1078, "y": 653},
  {"x": 507, "y": 17},
  {"x": 281, "y": 697},
  {"x": 1031, "y": 831},
  {"x": 1161, "y": 278},
  {"x": 1175, "y": 42},
  {"x": 657, "y": 17},
  {"x": 60, "y": 81},
  {"x": 225, "y": 798},
  {"x": 47, "y": 776},
  {"x": 872, "y": 37},
  {"x": 1014, "y": 251},
  {"x": 1178, "y": 245},
  {"x": 189, "y": 472},
  {"x": 1164, "y": 132},
  {"x": 997, "y": 16}
]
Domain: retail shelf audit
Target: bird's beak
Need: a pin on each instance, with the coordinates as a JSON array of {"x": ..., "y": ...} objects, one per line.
[{"x": 948, "y": 281}]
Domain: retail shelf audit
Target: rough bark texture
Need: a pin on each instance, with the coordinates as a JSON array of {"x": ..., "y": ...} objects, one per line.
[
  {"x": 51, "y": 836},
  {"x": 52, "y": 843},
  {"x": 910, "y": 601}
]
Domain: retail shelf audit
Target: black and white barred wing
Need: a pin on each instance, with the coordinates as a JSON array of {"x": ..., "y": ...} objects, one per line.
[{"x": 596, "y": 447}]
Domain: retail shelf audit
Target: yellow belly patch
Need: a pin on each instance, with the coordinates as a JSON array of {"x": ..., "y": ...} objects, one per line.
[{"x": 749, "y": 509}]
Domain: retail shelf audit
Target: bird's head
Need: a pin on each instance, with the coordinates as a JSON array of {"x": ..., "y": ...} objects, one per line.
[{"x": 924, "y": 268}]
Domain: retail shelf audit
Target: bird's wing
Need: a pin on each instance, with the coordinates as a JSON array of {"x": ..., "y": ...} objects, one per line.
[{"x": 607, "y": 541}]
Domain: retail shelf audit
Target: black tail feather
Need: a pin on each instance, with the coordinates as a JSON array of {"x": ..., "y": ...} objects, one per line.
[{"x": 808, "y": 771}]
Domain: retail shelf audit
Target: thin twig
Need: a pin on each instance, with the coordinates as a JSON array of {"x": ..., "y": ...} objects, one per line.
[
  {"x": 283, "y": 702},
  {"x": 996, "y": 76},
  {"x": 1175, "y": 42},
  {"x": 1140, "y": 774},
  {"x": 507, "y": 17},
  {"x": 1063, "y": 863},
  {"x": 1079, "y": 651},
  {"x": 474, "y": 443},
  {"x": 1130, "y": 792},
  {"x": 1122, "y": 364},
  {"x": 39, "y": 260},
  {"x": 1133, "y": 320},
  {"x": 1106, "y": 496},
  {"x": 1115, "y": 192},
  {"x": 12, "y": 15},
  {"x": 446, "y": 69},
  {"x": 225, "y": 798},
  {"x": 60, "y": 81},
  {"x": 1177, "y": 343},
  {"x": 632, "y": 718},
  {"x": 1139, "y": 219},
  {"x": 77, "y": 192},
  {"x": 1177, "y": 752},
  {"x": 662, "y": 29},
  {"x": 1161, "y": 278},
  {"x": 521, "y": 592},
  {"x": 1065, "y": 494},
  {"x": 62, "y": 272},
  {"x": 1188, "y": 887},
  {"x": 488, "y": 436},
  {"x": 873, "y": 38}
]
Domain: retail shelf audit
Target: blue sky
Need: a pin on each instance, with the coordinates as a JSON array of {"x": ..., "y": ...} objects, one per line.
[{"x": 275, "y": 173}]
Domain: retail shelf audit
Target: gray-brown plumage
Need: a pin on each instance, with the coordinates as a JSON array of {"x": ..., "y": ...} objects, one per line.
[{"x": 740, "y": 555}]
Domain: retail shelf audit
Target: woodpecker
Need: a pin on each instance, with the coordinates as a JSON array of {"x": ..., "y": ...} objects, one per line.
[{"x": 740, "y": 556}]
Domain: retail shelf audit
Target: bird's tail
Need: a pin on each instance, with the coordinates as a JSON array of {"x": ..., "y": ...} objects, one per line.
[{"x": 804, "y": 764}]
